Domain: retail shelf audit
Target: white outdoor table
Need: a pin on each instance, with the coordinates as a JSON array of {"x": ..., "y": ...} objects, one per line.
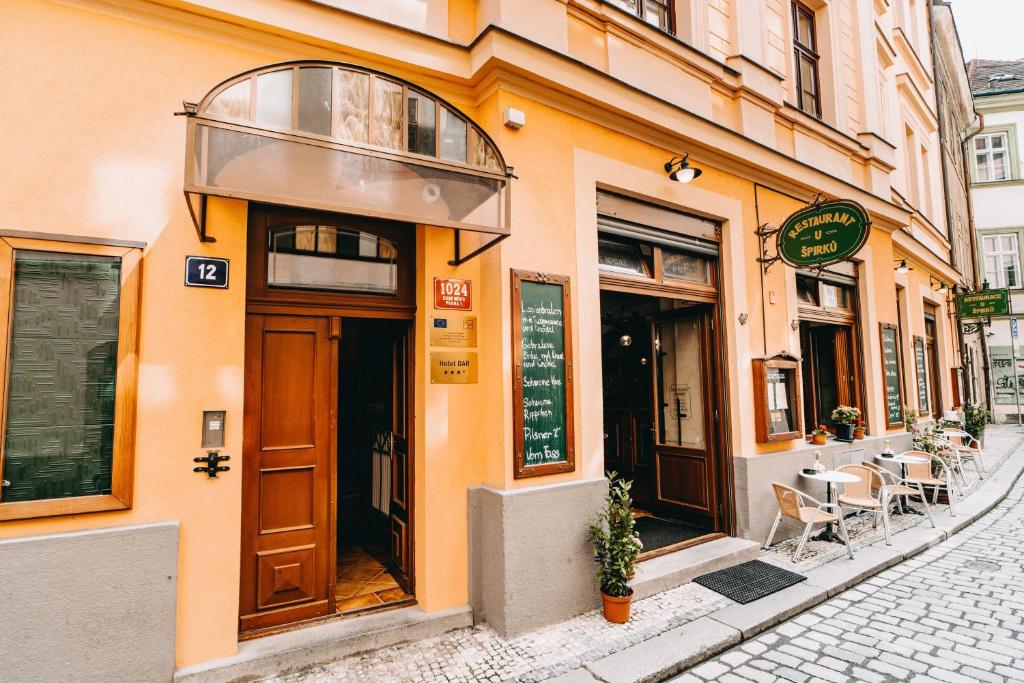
[
  {"x": 831, "y": 478},
  {"x": 903, "y": 461}
]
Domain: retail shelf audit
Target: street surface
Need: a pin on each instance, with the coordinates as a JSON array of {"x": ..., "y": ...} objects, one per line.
[{"x": 954, "y": 613}]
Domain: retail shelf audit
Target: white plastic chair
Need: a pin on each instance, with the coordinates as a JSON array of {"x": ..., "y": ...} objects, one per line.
[{"x": 791, "y": 505}]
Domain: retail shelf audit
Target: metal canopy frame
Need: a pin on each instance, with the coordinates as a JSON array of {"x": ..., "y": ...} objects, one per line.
[{"x": 494, "y": 170}]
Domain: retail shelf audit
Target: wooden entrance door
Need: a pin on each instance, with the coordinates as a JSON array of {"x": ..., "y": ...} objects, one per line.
[
  {"x": 288, "y": 461},
  {"x": 685, "y": 447},
  {"x": 401, "y": 484}
]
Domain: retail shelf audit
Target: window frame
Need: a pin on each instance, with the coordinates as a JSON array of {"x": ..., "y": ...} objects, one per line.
[
  {"x": 801, "y": 51},
  {"x": 126, "y": 378},
  {"x": 641, "y": 13},
  {"x": 999, "y": 283},
  {"x": 1009, "y": 134}
]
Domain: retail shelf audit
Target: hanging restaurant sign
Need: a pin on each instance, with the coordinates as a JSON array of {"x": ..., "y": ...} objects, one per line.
[
  {"x": 984, "y": 304},
  {"x": 823, "y": 234}
]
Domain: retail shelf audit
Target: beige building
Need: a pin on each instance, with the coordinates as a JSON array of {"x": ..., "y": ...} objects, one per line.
[{"x": 424, "y": 270}]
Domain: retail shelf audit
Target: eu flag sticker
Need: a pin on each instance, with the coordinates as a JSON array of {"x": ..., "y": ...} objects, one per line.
[{"x": 441, "y": 322}]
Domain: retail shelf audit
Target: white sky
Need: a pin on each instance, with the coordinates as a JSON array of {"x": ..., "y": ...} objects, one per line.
[{"x": 990, "y": 29}]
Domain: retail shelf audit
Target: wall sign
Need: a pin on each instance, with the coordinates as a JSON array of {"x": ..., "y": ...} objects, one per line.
[
  {"x": 203, "y": 271},
  {"x": 542, "y": 412},
  {"x": 983, "y": 304},
  {"x": 823, "y": 234},
  {"x": 922, "y": 375},
  {"x": 453, "y": 295},
  {"x": 453, "y": 330},
  {"x": 453, "y": 367},
  {"x": 891, "y": 375}
]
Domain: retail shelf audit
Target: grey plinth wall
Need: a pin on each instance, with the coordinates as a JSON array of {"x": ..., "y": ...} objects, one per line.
[
  {"x": 89, "y": 606},
  {"x": 530, "y": 564},
  {"x": 754, "y": 474}
]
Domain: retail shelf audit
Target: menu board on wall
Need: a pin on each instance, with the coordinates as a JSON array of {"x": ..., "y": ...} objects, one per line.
[
  {"x": 922, "y": 375},
  {"x": 891, "y": 374},
  {"x": 543, "y": 382}
]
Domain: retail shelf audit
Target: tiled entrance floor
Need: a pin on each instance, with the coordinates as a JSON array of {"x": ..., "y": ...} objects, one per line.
[{"x": 363, "y": 581}]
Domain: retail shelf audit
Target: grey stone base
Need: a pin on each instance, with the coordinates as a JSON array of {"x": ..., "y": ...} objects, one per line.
[
  {"x": 530, "y": 564},
  {"x": 90, "y": 606},
  {"x": 755, "y": 499}
]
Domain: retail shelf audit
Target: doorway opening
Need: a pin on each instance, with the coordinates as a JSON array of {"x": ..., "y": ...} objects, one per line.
[
  {"x": 372, "y": 450},
  {"x": 327, "y": 468},
  {"x": 659, "y": 405}
]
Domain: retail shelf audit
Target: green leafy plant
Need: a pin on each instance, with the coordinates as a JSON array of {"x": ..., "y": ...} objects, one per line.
[
  {"x": 846, "y": 415},
  {"x": 975, "y": 420},
  {"x": 909, "y": 418},
  {"x": 820, "y": 431},
  {"x": 616, "y": 544}
]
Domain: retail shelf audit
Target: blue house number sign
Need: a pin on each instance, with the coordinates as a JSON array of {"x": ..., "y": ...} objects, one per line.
[{"x": 202, "y": 271}]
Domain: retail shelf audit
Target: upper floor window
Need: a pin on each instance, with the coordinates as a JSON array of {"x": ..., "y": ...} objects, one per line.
[
  {"x": 654, "y": 12},
  {"x": 992, "y": 157},
  {"x": 805, "y": 52},
  {"x": 1002, "y": 260}
]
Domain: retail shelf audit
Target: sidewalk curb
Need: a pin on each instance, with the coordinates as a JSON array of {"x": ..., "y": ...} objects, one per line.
[{"x": 671, "y": 652}]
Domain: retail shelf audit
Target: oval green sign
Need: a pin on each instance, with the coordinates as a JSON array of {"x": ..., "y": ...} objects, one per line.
[{"x": 823, "y": 234}]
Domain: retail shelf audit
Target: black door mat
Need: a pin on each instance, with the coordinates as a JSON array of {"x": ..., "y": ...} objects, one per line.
[
  {"x": 749, "y": 581},
  {"x": 656, "y": 532}
]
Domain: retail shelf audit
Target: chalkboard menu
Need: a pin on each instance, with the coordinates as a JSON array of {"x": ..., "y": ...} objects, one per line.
[
  {"x": 922, "y": 375},
  {"x": 542, "y": 400},
  {"x": 891, "y": 375}
]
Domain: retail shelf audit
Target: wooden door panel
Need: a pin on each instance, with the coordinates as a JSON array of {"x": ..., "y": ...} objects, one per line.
[
  {"x": 286, "y": 576},
  {"x": 286, "y": 500},
  {"x": 401, "y": 471},
  {"x": 287, "y": 470},
  {"x": 685, "y": 479},
  {"x": 288, "y": 384}
]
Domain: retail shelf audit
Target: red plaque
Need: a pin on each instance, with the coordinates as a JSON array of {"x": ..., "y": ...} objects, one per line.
[{"x": 453, "y": 295}]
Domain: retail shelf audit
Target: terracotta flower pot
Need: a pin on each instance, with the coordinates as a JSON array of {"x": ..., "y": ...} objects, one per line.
[
  {"x": 616, "y": 610},
  {"x": 859, "y": 432},
  {"x": 819, "y": 439}
]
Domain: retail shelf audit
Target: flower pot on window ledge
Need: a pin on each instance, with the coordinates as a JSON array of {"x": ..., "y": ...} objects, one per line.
[
  {"x": 844, "y": 432},
  {"x": 859, "y": 431}
]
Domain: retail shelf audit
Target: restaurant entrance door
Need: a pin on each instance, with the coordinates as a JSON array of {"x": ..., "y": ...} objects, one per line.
[{"x": 660, "y": 410}]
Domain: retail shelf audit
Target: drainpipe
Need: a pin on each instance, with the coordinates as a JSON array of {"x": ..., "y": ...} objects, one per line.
[{"x": 986, "y": 368}]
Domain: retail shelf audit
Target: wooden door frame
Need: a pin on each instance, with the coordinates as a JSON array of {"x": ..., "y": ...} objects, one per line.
[
  {"x": 725, "y": 480},
  {"x": 334, "y": 306}
]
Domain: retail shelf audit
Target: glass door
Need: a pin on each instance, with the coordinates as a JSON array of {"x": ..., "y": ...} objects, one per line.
[{"x": 685, "y": 470}]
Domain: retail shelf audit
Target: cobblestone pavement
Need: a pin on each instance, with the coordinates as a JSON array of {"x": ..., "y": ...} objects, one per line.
[{"x": 953, "y": 613}]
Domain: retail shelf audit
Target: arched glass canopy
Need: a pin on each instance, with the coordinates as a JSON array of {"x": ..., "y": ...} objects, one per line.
[{"x": 338, "y": 137}]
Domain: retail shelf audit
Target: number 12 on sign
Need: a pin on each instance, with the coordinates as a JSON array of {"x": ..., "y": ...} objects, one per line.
[{"x": 204, "y": 271}]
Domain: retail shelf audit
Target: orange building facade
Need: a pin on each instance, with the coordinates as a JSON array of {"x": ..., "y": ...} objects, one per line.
[{"x": 389, "y": 210}]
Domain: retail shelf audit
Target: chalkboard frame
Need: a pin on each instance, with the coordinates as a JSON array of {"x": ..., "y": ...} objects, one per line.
[
  {"x": 521, "y": 470},
  {"x": 882, "y": 329}
]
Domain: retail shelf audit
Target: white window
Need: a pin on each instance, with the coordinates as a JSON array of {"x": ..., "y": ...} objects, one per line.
[
  {"x": 1002, "y": 261},
  {"x": 992, "y": 157}
]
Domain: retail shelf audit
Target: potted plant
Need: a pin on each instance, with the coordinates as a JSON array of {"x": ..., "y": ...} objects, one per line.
[
  {"x": 819, "y": 437},
  {"x": 860, "y": 430},
  {"x": 844, "y": 418},
  {"x": 975, "y": 419},
  {"x": 616, "y": 547}
]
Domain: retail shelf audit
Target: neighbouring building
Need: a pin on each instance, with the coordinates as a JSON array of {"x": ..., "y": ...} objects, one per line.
[
  {"x": 958, "y": 124},
  {"x": 424, "y": 271},
  {"x": 997, "y": 190}
]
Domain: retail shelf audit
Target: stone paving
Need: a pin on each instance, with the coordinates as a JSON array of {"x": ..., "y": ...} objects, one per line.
[
  {"x": 880, "y": 636},
  {"x": 953, "y": 613}
]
